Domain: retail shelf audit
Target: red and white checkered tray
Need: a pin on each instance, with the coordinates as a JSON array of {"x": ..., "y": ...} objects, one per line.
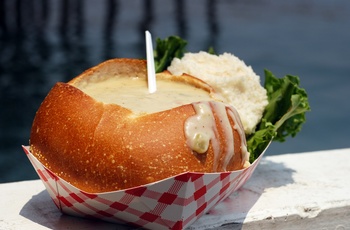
[{"x": 172, "y": 203}]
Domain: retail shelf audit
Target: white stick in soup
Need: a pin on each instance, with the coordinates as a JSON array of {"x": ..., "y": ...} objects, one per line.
[{"x": 151, "y": 73}]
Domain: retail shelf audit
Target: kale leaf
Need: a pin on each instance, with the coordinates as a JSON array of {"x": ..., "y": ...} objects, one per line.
[
  {"x": 166, "y": 50},
  {"x": 283, "y": 116}
]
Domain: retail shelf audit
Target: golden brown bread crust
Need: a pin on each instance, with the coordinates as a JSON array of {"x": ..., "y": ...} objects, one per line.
[{"x": 97, "y": 147}]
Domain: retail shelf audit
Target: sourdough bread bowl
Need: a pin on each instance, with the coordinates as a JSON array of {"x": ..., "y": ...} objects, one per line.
[{"x": 87, "y": 132}]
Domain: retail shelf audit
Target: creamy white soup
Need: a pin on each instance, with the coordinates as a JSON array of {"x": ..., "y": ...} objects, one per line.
[{"x": 132, "y": 93}]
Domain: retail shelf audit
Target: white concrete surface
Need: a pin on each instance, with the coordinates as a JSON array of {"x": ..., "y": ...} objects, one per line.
[{"x": 293, "y": 191}]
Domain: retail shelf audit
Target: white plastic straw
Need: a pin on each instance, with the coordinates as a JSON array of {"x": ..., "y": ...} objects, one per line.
[{"x": 151, "y": 72}]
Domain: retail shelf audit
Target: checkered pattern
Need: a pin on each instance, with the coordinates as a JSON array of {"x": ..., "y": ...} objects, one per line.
[{"x": 173, "y": 203}]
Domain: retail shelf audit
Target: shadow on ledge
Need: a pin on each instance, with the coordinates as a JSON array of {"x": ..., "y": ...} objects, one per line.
[
  {"x": 42, "y": 210},
  {"x": 231, "y": 212}
]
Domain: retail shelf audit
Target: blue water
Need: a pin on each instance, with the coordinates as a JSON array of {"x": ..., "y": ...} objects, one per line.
[{"x": 42, "y": 42}]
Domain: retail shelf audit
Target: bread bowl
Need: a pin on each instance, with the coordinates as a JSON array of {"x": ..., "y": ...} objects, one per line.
[{"x": 100, "y": 146}]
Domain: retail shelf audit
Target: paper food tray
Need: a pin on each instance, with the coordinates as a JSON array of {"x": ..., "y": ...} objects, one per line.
[{"x": 172, "y": 203}]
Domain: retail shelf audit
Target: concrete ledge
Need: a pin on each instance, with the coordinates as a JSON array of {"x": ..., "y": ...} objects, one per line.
[{"x": 292, "y": 191}]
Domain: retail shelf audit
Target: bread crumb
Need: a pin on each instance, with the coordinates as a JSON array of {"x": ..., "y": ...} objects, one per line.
[{"x": 246, "y": 164}]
